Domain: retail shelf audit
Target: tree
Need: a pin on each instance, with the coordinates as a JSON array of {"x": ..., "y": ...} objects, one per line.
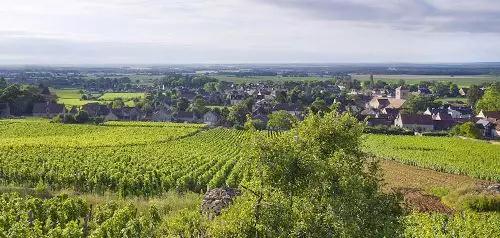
[
  {"x": 237, "y": 114},
  {"x": 253, "y": 124},
  {"x": 453, "y": 90},
  {"x": 281, "y": 97},
  {"x": 319, "y": 105},
  {"x": 420, "y": 103},
  {"x": 118, "y": 103},
  {"x": 82, "y": 117},
  {"x": 440, "y": 89},
  {"x": 281, "y": 121},
  {"x": 3, "y": 84},
  {"x": 366, "y": 85},
  {"x": 182, "y": 104},
  {"x": 198, "y": 106},
  {"x": 474, "y": 94},
  {"x": 490, "y": 100},
  {"x": 467, "y": 129},
  {"x": 211, "y": 86},
  {"x": 308, "y": 183}
]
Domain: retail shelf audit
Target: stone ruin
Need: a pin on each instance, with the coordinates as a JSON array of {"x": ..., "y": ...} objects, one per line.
[{"x": 215, "y": 200}]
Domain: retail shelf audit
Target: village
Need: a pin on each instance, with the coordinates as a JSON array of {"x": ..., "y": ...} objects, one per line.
[{"x": 408, "y": 108}]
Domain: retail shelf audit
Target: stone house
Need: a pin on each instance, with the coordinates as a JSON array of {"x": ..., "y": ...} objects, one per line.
[
  {"x": 211, "y": 119},
  {"x": 416, "y": 122},
  {"x": 4, "y": 110},
  {"x": 48, "y": 109}
]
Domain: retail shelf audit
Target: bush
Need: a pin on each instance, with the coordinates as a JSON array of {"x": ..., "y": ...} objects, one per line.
[
  {"x": 64, "y": 118},
  {"x": 482, "y": 203},
  {"x": 467, "y": 129},
  {"x": 82, "y": 117},
  {"x": 387, "y": 130},
  {"x": 435, "y": 133},
  {"x": 185, "y": 223}
]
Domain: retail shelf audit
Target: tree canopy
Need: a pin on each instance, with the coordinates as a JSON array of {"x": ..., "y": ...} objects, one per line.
[
  {"x": 490, "y": 100},
  {"x": 281, "y": 121},
  {"x": 309, "y": 181}
]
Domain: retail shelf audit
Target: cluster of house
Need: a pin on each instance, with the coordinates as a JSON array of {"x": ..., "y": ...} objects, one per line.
[
  {"x": 50, "y": 110},
  {"x": 387, "y": 111}
]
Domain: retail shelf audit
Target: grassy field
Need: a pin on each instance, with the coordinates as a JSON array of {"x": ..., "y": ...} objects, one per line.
[
  {"x": 463, "y": 100},
  {"x": 124, "y": 96},
  {"x": 453, "y": 155},
  {"x": 277, "y": 79},
  {"x": 462, "y": 81},
  {"x": 73, "y": 97}
]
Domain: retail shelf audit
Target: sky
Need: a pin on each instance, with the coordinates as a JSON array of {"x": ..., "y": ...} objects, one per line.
[{"x": 248, "y": 31}]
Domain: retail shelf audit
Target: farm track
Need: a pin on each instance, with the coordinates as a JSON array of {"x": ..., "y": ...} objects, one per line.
[{"x": 398, "y": 175}]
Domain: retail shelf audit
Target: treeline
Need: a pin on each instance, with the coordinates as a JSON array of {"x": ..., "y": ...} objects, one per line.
[{"x": 22, "y": 98}]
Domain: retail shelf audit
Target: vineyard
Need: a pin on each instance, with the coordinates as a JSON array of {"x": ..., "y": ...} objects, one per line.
[
  {"x": 141, "y": 159},
  {"x": 146, "y": 161},
  {"x": 452, "y": 155}
]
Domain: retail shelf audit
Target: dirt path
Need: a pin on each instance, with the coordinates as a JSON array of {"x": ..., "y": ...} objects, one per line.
[
  {"x": 415, "y": 185},
  {"x": 397, "y": 175}
]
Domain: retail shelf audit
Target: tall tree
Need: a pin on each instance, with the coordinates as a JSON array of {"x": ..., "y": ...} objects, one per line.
[
  {"x": 474, "y": 94},
  {"x": 281, "y": 121},
  {"x": 3, "y": 83},
  {"x": 490, "y": 100},
  {"x": 420, "y": 103},
  {"x": 308, "y": 183}
]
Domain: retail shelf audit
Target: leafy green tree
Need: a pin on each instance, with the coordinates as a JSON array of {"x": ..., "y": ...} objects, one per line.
[
  {"x": 319, "y": 105},
  {"x": 490, "y": 100},
  {"x": 82, "y": 116},
  {"x": 420, "y": 103},
  {"x": 117, "y": 103},
  {"x": 198, "y": 106},
  {"x": 281, "y": 97},
  {"x": 182, "y": 104},
  {"x": 238, "y": 112},
  {"x": 211, "y": 86},
  {"x": 453, "y": 90},
  {"x": 3, "y": 84},
  {"x": 440, "y": 89},
  {"x": 308, "y": 183},
  {"x": 467, "y": 129},
  {"x": 474, "y": 94},
  {"x": 281, "y": 121},
  {"x": 253, "y": 124}
]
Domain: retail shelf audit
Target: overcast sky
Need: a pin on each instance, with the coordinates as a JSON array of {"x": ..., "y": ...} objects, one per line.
[{"x": 248, "y": 31}]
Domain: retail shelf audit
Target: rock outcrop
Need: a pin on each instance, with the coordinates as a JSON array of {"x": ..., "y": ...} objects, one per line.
[{"x": 217, "y": 199}]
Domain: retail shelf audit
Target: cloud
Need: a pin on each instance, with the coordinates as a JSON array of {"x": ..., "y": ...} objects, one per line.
[
  {"x": 479, "y": 16},
  {"x": 246, "y": 31}
]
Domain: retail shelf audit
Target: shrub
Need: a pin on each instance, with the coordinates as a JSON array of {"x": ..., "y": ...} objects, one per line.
[
  {"x": 82, "y": 117},
  {"x": 387, "y": 130},
  {"x": 482, "y": 203},
  {"x": 467, "y": 129}
]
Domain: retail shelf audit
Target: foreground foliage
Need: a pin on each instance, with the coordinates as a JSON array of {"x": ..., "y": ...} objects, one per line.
[
  {"x": 462, "y": 224},
  {"x": 312, "y": 182}
]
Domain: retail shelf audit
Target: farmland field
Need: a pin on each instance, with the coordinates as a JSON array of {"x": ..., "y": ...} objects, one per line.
[
  {"x": 463, "y": 81},
  {"x": 460, "y": 80},
  {"x": 145, "y": 178},
  {"x": 73, "y": 97},
  {"x": 130, "y": 158},
  {"x": 453, "y": 155},
  {"x": 124, "y": 96},
  {"x": 277, "y": 79}
]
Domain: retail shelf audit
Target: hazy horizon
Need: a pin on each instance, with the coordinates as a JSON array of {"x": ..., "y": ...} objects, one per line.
[{"x": 156, "y": 32}]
